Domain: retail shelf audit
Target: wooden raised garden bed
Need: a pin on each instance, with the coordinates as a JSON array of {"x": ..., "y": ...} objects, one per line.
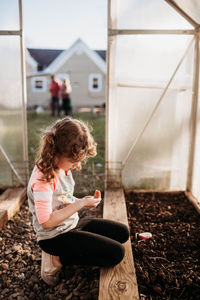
[{"x": 168, "y": 265}]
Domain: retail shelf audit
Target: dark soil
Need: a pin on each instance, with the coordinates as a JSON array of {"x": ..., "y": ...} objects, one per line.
[
  {"x": 20, "y": 259},
  {"x": 168, "y": 264}
]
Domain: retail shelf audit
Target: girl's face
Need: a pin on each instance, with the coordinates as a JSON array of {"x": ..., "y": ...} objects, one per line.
[{"x": 66, "y": 164}]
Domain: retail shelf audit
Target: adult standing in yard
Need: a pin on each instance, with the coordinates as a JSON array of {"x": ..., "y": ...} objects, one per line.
[
  {"x": 54, "y": 89},
  {"x": 66, "y": 90}
]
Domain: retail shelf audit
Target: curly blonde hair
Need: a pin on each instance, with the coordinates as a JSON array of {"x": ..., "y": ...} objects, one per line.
[{"x": 67, "y": 137}]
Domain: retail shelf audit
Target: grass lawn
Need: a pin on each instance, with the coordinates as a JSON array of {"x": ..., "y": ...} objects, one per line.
[{"x": 91, "y": 177}]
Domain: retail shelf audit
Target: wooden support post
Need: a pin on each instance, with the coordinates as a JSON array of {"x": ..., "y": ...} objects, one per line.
[
  {"x": 182, "y": 13},
  {"x": 193, "y": 116},
  {"x": 24, "y": 93},
  {"x": 3, "y": 217},
  {"x": 118, "y": 282},
  {"x": 111, "y": 118},
  {"x": 149, "y": 31},
  {"x": 193, "y": 200}
]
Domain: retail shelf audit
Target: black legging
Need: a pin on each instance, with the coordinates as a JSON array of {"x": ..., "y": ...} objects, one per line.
[{"x": 98, "y": 243}]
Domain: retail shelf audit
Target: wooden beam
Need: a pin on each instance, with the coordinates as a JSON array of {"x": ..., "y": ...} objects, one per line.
[
  {"x": 3, "y": 217},
  {"x": 107, "y": 84},
  {"x": 10, "y": 32},
  {"x": 10, "y": 202},
  {"x": 193, "y": 116},
  {"x": 193, "y": 200},
  {"x": 110, "y": 82},
  {"x": 141, "y": 191},
  {"x": 182, "y": 13},
  {"x": 24, "y": 94},
  {"x": 113, "y": 32},
  {"x": 147, "y": 86},
  {"x": 118, "y": 282}
]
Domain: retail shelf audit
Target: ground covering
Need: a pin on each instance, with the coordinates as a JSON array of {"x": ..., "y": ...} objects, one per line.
[
  {"x": 168, "y": 265},
  {"x": 20, "y": 259}
]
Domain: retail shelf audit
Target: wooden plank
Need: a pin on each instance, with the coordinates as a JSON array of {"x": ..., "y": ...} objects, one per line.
[
  {"x": 142, "y": 191},
  {"x": 193, "y": 200},
  {"x": 193, "y": 116},
  {"x": 112, "y": 32},
  {"x": 23, "y": 92},
  {"x": 118, "y": 282},
  {"x": 11, "y": 200},
  {"x": 10, "y": 32},
  {"x": 182, "y": 13},
  {"x": 147, "y": 86},
  {"x": 3, "y": 218}
]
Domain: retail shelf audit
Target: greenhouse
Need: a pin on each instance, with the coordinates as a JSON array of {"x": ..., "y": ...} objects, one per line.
[
  {"x": 13, "y": 134},
  {"x": 152, "y": 142},
  {"x": 152, "y": 163},
  {"x": 153, "y": 111}
]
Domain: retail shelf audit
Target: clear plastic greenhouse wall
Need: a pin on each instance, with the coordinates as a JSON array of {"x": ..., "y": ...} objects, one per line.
[
  {"x": 13, "y": 149},
  {"x": 153, "y": 112}
]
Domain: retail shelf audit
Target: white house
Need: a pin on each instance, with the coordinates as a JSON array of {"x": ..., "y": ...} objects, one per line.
[
  {"x": 31, "y": 63},
  {"x": 85, "y": 68}
]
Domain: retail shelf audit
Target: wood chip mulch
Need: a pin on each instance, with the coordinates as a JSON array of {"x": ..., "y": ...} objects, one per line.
[{"x": 20, "y": 259}]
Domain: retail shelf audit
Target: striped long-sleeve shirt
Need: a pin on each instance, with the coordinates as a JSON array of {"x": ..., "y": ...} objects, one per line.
[{"x": 44, "y": 198}]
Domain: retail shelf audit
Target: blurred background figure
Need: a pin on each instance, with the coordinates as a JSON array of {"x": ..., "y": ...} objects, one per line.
[
  {"x": 66, "y": 90},
  {"x": 54, "y": 89}
]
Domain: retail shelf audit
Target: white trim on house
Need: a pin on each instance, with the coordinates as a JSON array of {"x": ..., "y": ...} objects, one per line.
[
  {"x": 39, "y": 73},
  {"x": 30, "y": 60},
  {"x": 43, "y": 86},
  {"x": 78, "y": 47},
  {"x": 62, "y": 76},
  {"x": 91, "y": 83}
]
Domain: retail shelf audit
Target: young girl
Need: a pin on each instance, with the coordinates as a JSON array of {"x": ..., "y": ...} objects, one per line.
[{"x": 55, "y": 210}]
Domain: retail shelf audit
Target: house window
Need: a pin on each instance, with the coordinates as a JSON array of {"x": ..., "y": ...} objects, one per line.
[
  {"x": 95, "y": 82},
  {"x": 39, "y": 84}
]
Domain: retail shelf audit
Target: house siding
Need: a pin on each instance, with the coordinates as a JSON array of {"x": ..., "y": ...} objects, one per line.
[
  {"x": 79, "y": 67},
  {"x": 38, "y": 98}
]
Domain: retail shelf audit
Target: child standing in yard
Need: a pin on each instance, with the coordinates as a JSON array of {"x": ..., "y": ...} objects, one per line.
[
  {"x": 63, "y": 241},
  {"x": 66, "y": 90}
]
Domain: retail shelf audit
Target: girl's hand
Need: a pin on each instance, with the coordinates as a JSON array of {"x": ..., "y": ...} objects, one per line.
[{"x": 90, "y": 201}]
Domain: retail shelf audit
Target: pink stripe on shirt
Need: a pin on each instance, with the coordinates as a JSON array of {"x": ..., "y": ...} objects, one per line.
[{"x": 42, "y": 193}]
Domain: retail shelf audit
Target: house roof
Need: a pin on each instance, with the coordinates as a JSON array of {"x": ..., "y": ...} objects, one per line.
[
  {"x": 101, "y": 53},
  {"x": 30, "y": 59},
  {"x": 77, "y": 47},
  {"x": 45, "y": 57}
]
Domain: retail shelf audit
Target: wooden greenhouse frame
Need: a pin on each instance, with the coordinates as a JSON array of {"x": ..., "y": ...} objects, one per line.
[
  {"x": 120, "y": 282},
  {"x": 15, "y": 191},
  {"x": 19, "y": 33}
]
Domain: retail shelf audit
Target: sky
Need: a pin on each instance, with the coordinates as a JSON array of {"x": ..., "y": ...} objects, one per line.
[{"x": 56, "y": 24}]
